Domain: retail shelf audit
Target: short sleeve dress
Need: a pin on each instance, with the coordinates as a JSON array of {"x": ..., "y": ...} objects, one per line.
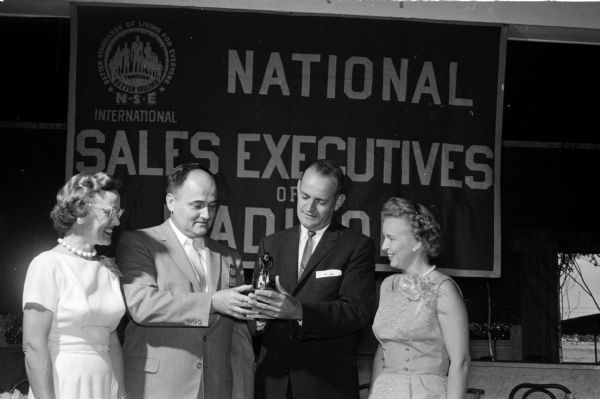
[
  {"x": 85, "y": 299},
  {"x": 415, "y": 360}
]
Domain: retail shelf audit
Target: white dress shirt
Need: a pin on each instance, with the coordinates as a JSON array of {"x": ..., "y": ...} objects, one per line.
[
  {"x": 304, "y": 236},
  {"x": 201, "y": 249}
]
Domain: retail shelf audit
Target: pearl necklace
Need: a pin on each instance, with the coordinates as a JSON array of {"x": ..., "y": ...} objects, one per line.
[{"x": 78, "y": 252}]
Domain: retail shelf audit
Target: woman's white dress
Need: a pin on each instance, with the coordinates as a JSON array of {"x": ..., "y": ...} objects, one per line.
[{"x": 87, "y": 305}]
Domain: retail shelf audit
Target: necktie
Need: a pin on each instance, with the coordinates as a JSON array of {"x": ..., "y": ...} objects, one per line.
[
  {"x": 194, "y": 257},
  {"x": 308, "y": 248}
]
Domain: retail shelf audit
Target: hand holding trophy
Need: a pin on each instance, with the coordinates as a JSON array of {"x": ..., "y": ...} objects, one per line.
[{"x": 268, "y": 298}]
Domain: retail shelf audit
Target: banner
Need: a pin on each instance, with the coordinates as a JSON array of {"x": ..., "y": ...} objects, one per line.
[{"x": 408, "y": 108}]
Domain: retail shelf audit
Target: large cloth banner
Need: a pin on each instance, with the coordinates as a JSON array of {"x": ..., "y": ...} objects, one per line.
[{"x": 407, "y": 108}]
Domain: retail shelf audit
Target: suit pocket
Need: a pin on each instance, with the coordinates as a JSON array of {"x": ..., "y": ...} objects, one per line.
[
  {"x": 327, "y": 288},
  {"x": 147, "y": 365}
]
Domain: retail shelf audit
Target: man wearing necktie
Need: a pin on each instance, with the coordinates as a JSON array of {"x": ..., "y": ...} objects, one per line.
[
  {"x": 325, "y": 274},
  {"x": 188, "y": 336}
]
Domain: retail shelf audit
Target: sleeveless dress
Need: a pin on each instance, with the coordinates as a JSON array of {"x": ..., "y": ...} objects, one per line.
[
  {"x": 87, "y": 305},
  {"x": 415, "y": 360}
]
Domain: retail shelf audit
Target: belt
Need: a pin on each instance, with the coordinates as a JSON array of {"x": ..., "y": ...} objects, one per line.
[{"x": 78, "y": 348}]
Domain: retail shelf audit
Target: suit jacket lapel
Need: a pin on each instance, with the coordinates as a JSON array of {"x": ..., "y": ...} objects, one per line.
[
  {"x": 214, "y": 267},
  {"x": 287, "y": 268},
  {"x": 177, "y": 253}
]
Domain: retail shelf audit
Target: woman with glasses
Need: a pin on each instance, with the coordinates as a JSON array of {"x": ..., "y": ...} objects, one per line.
[{"x": 72, "y": 300}]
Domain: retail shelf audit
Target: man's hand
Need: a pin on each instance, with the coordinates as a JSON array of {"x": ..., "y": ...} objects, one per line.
[
  {"x": 276, "y": 305},
  {"x": 233, "y": 302}
]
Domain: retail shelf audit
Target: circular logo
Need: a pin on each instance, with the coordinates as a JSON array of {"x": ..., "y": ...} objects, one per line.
[{"x": 137, "y": 58}]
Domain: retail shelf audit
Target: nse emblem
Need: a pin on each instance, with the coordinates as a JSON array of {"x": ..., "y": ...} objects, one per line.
[{"x": 136, "y": 58}]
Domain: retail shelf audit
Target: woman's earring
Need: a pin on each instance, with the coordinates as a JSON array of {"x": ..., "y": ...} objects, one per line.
[
  {"x": 79, "y": 220},
  {"x": 414, "y": 249}
]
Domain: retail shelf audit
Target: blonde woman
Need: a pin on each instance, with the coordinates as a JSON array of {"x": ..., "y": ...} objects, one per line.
[
  {"x": 421, "y": 322},
  {"x": 72, "y": 300}
]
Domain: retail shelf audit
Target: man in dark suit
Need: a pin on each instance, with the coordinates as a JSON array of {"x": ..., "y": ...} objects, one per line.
[{"x": 325, "y": 275}]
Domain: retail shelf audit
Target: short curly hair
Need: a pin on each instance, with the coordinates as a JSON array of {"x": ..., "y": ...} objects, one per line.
[
  {"x": 425, "y": 227},
  {"x": 72, "y": 198}
]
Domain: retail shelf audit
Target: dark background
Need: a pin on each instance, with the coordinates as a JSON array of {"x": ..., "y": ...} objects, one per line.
[{"x": 551, "y": 92}]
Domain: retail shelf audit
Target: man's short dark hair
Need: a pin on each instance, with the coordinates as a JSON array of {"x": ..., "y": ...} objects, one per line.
[
  {"x": 325, "y": 167},
  {"x": 180, "y": 173}
]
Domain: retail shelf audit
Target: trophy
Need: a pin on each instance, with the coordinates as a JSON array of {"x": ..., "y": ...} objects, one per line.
[{"x": 261, "y": 277}]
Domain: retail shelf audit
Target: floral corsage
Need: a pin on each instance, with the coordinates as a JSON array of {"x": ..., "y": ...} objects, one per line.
[{"x": 417, "y": 289}]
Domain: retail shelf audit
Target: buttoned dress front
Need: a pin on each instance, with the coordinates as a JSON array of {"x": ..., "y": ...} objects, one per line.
[{"x": 415, "y": 360}]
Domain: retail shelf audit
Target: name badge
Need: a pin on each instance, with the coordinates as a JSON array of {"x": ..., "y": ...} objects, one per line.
[{"x": 329, "y": 273}]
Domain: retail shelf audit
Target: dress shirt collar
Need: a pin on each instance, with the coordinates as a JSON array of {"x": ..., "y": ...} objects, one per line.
[
  {"x": 316, "y": 237},
  {"x": 182, "y": 237}
]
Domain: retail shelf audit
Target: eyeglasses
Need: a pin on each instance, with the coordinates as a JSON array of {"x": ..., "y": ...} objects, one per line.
[{"x": 110, "y": 212}]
